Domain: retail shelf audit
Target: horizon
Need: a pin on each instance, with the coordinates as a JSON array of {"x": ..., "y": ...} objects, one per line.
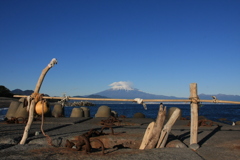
[
  {"x": 128, "y": 86},
  {"x": 158, "y": 46}
]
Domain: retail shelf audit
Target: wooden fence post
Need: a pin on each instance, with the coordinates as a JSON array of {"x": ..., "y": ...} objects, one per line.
[{"x": 194, "y": 116}]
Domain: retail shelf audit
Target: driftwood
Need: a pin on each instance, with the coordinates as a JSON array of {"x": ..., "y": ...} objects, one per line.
[
  {"x": 147, "y": 135},
  {"x": 33, "y": 103},
  {"x": 194, "y": 113},
  {"x": 155, "y": 134},
  {"x": 167, "y": 128}
]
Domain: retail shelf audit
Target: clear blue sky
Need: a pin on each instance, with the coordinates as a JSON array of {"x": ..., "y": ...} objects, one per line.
[{"x": 159, "y": 46}]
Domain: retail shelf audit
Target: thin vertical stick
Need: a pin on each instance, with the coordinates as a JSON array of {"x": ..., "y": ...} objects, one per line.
[{"x": 194, "y": 113}]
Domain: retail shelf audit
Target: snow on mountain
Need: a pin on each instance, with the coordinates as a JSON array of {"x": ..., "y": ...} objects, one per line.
[
  {"x": 122, "y": 85},
  {"x": 125, "y": 90}
]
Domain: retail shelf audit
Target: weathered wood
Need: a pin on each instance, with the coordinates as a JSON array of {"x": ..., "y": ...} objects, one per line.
[
  {"x": 29, "y": 123},
  {"x": 32, "y": 106},
  {"x": 146, "y": 135},
  {"x": 194, "y": 113},
  {"x": 167, "y": 128},
  {"x": 40, "y": 80},
  {"x": 155, "y": 134},
  {"x": 145, "y": 100}
]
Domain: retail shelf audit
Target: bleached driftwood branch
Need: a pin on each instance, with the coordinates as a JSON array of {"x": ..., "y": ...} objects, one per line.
[{"x": 33, "y": 102}]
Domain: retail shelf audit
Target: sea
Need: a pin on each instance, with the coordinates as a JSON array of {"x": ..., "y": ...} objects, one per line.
[{"x": 225, "y": 113}]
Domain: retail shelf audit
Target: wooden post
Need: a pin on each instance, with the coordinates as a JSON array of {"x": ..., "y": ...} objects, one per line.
[
  {"x": 33, "y": 103},
  {"x": 194, "y": 116}
]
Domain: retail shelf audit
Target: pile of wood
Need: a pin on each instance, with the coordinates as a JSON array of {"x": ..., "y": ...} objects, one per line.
[{"x": 156, "y": 134}]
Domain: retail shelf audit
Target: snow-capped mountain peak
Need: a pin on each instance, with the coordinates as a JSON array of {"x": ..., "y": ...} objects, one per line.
[{"x": 122, "y": 85}]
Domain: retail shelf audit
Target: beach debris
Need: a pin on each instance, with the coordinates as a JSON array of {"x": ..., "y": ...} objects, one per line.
[
  {"x": 156, "y": 134},
  {"x": 37, "y": 133},
  {"x": 110, "y": 121},
  {"x": 167, "y": 128},
  {"x": 153, "y": 131},
  {"x": 140, "y": 101},
  {"x": 107, "y": 126},
  {"x": 64, "y": 100},
  {"x": 69, "y": 144},
  {"x": 42, "y": 107},
  {"x": 99, "y": 142},
  {"x": 146, "y": 136},
  {"x": 214, "y": 99},
  {"x": 18, "y": 120},
  {"x": 84, "y": 142}
]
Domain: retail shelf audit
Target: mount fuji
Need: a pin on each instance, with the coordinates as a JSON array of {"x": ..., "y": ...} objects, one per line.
[
  {"x": 131, "y": 94},
  {"x": 124, "y": 90},
  {"x": 135, "y": 93}
]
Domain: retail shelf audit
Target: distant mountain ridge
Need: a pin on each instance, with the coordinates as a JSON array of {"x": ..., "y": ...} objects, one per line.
[
  {"x": 135, "y": 93},
  {"x": 131, "y": 94},
  {"x": 220, "y": 97},
  {"x": 21, "y": 92}
]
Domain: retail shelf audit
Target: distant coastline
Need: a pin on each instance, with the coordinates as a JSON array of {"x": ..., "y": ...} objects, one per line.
[{"x": 135, "y": 93}]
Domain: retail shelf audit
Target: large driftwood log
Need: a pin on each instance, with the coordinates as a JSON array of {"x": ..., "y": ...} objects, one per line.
[
  {"x": 33, "y": 103},
  {"x": 167, "y": 128},
  {"x": 147, "y": 135},
  {"x": 155, "y": 134}
]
